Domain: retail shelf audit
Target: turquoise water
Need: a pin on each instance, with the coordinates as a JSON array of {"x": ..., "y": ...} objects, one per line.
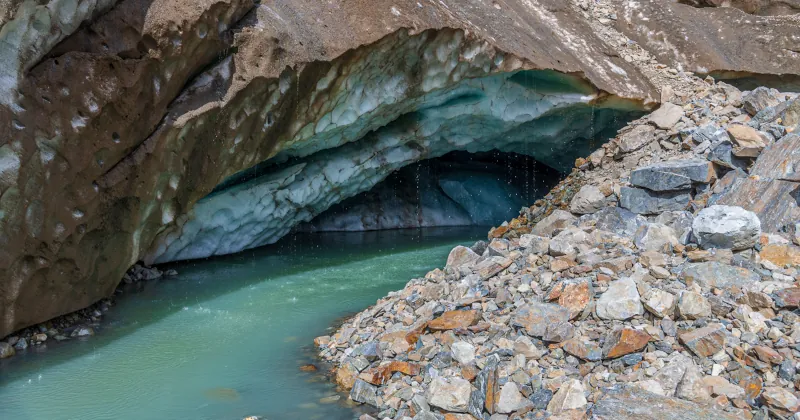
[{"x": 226, "y": 337}]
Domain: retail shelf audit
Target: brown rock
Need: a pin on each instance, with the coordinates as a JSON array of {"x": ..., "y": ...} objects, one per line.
[
  {"x": 781, "y": 255},
  {"x": 451, "y": 320},
  {"x": 781, "y": 400},
  {"x": 747, "y": 142},
  {"x": 573, "y": 295},
  {"x": 624, "y": 341},
  {"x": 767, "y": 355},
  {"x": 346, "y": 376},
  {"x": 788, "y": 298},
  {"x": 308, "y": 368},
  {"x": 379, "y": 375},
  {"x": 704, "y": 341},
  {"x": 583, "y": 349}
]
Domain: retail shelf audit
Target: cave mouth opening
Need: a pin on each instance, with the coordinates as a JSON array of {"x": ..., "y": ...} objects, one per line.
[
  {"x": 456, "y": 189},
  {"x": 468, "y": 153}
]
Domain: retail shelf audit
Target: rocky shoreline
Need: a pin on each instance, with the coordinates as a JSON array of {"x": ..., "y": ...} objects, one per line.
[
  {"x": 78, "y": 324},
  {"x": 663, "y": 272}
]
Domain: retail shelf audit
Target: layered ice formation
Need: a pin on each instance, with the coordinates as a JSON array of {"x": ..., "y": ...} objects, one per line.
[{"x": 546, "y": 115}]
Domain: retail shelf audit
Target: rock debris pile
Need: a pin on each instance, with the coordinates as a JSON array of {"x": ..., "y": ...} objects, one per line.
[{"x": 659, "y": 280}]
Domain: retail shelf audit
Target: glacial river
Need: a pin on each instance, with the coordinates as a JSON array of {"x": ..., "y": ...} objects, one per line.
[{"x": 226, "y": 338}]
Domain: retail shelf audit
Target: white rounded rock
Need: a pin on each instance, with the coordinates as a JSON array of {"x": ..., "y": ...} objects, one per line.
[{"x": 726, "y": 227}]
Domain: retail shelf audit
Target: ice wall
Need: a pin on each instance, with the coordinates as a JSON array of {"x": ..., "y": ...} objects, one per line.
[{"x": 540, "y": 114}]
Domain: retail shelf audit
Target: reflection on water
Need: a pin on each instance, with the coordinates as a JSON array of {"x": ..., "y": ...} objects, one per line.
[{"x": 227, "y": 337}]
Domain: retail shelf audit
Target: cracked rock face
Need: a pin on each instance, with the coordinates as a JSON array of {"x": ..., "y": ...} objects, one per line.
[{"x": 119, "y": 117}]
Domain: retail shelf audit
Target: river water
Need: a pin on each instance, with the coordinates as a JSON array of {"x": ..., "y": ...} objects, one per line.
[{"x": 226, "y": 337}]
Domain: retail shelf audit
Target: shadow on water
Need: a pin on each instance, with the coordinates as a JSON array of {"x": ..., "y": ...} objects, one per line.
[{"x": 201, "y": 280}]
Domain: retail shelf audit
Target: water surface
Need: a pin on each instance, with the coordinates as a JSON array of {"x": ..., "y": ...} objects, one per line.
[{"x": 226, "y": 337}]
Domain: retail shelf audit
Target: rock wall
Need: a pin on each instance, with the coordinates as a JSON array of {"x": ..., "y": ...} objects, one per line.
[{"x": 112, "y": 130}]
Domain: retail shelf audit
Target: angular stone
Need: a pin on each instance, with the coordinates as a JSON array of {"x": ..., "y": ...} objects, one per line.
[
  {"x": 636, "y": 138},
  {"x": 523, "y": 345},
  {"x": 589, "y": 199},
  {"x": 752, "y": 321},
  {"x": 693, "y": 305},
  {"x": 705, "y": 341},
  {"x": 747, "y": 141},
  {"x": 573, "y": 294},
  {"x": 536, "y": 244},
  {"x": 583, "y": 349},
  {"x": 679, "y": 221},
  {"x": 6, "y": 350},
  {"x": 558, "y": 332},
  {"x": 788, "y": 298},
  {"x": 380, "y": 375},
  {"x": 463, "y": 352},
  {"x": 667, "y": 115},
  {"x": 346, "y": 375},
  {"x": 568, "y": 241},
  {"x": 720, "y": 386},
  {"x": 511, "y": 399},
  {"x": 719, "y": 275},
  {"x": 364, "y": 393},
  {"x": 758, "y": 99},
  {"x": 461, "y": 255},
  {"x": 726, "y": 227},
  {"x": 485, "y": 384},
  {"x": 780, "y": 400},
  {"x": 781, "y": 255},
  {"x": 451, "y": 320},
  {"x": 722, "y": 155},
  {"x": 624, "y": 341},
  {"x": 558, "y": 219},
  {"x": 642, "y": 201},
  {"x": 489, "y": 267},
  {"x": 656, "y": 237},
  {"x": 659, "y": 302},
  {"x": 568, "y": 397},
  {"x": 627, "y": 402},
  {"x": 621, "y": 301},
  {"x": 768, "y": 355},
  {"x": 674, "y": 175},
  {"x": 616, "y": 220},
  {"x": 770, "y": 191},
  {"x": 449, "y": 394},
  {"x": 535, "y": 317}
]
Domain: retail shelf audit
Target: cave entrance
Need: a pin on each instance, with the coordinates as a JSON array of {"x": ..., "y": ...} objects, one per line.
[{"x": 457, "y": 189}]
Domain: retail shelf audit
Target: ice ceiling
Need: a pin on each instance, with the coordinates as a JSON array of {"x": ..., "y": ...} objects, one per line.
[{"x": 550, "y": 117}]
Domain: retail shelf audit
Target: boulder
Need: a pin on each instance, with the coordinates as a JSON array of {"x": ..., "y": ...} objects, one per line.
[
  {"x": 616, "y": 220},
  {"x": 679, "y": 221},
  {"x": 624, "y": 341},
  {"x": 463, "y": 352},
  {"x": 747, "y": 141},
  {"x": 568, "y": 242},
  {"x": 568, "y": 397},
  {"x": 461, "y": 255},
  {"x": 642, "y": 201},
  {"x": 449, "y": 394},
  {"x": 364, "y": 393},
  {"x": 558, "y": 219},
  {"x": 674, "y": 175},
  {"x": 666, "y": 116},
  {"x": 780, "y": 400},
  {"x": 659, "y": 302},
  {"x": 726, "y": 227},
  {"x": 705, "y": 341},
  {"x": 620, "y": 302},
  {"x": 758, "y": 99},
  {"x": 716, "y": 274},
  {"x": 511, "y": 399},
  {"x": 589, "y": 199},
  {"x": 656, "y": 237},
  {"x": 536, "y": 317},
  {"x": 628, "y": 402},
  {"x": 6, "y": 350},
  {"x": 693, "y": 305}
]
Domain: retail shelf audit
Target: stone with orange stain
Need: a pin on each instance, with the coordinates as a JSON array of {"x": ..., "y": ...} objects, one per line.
[
  {"x": 573, "y": 294},
  {"x": 398, "y": 341},
  {"x": 780, "y": 255},
  {"x": 380, "y": 374},
  {"x": 346, "y": 376},
  {"x": 451, "y": 320},
  {"x": 624, "y": 341},
  {"x": 308, "y": 368}
]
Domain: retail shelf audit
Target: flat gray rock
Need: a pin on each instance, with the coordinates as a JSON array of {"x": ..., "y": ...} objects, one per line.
[
  {"x": 673, "y": 175},
  {"x": 622, "y": 402},
  {"x": 642, "y": 201}
]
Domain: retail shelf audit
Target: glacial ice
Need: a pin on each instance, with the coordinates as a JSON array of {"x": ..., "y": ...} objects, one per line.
[{"x": 540, "y": 114}]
